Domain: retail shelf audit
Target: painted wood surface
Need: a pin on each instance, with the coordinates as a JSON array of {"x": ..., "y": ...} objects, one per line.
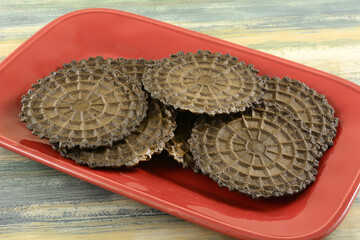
[{"x": 37, "y": 202}]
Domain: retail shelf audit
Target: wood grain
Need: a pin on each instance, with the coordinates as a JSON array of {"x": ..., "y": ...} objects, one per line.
[{"x": 41, "y": 203}]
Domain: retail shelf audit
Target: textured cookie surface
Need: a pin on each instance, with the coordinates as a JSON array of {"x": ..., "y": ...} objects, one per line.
[
  {"x": 204, "y": 82},
  {"x": 133, "y": 67},
  {"x": 178, "y": 147},
  {"x": 261, "y": 153},
  {"x": 307, "y": 105},
  {"x": 82, "y": 108},
  {"x": 150, "y": 137}
]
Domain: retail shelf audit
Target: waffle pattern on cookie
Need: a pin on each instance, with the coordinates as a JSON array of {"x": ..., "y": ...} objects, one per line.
[
  {"x": 149, "y": 138},
  {"x": 261, "y": 153},
  {"x": 204, "y": 82},
  {"x": 81, "y": 108}
]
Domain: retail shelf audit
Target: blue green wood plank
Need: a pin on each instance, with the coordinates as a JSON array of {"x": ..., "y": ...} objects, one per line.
[
  {"x": 248, "y": 14},
  {"x": 32, "y": 194}
]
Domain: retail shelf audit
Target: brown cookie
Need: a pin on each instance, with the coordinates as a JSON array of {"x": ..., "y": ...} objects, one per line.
[
  {"x": 149, "y": 138},
  {"x": 82, "y": 108},
  {"x": 204, "y": 82},
  {"x": 262, "y": 152},
  {"x": 306, "y": 104}
]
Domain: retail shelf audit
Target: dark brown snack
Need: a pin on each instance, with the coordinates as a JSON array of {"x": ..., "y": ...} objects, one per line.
[
  {"x": 262, "y": 153},
  {"x": 82, "y": 108},
  {"x": 204, "y": 82},
  {"x": 307, "y": 105},
  {"x": 178, "y": 147},
  {"x": 149, "y": 138}
]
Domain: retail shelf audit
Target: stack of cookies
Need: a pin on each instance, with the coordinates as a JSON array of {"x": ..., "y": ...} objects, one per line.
[
  {"x": 96, "y": 113},
  {"x": 258, "y": 135}
]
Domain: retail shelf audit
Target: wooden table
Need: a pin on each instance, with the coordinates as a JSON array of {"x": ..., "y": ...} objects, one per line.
[{"x": 41, "y": 203}]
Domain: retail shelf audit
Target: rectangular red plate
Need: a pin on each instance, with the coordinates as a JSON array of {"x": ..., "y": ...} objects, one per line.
[{"x": 161, "y": 183}]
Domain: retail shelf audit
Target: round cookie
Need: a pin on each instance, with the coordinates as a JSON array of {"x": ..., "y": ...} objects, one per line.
[
  {"x": 306, "y": 104},
  {"x": 204, "y": 82},
  {"x": 82, "y": 108},
  {"x": 262, "y": 152},
  {"x": 149, "y": 138}
]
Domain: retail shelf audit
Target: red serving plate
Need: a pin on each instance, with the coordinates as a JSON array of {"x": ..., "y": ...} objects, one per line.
[{"x": 161, "y": 183}]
